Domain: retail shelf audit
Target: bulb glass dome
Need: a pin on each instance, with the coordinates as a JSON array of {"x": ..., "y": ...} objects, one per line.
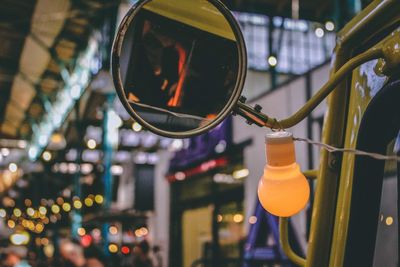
[{"x": 283, "y": 190}]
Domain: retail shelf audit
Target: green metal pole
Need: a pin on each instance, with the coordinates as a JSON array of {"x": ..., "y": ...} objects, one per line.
[
  {"x": 107, "y": 159},
  {"x": 285, "y": 244},
  {"x": 76, "y": 214}
]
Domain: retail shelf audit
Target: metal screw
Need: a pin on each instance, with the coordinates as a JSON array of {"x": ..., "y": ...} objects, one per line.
[{"x": 333, "y": 163}]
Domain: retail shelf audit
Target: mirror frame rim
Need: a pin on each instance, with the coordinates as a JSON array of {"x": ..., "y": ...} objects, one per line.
[{"x": 241, "y": 76}]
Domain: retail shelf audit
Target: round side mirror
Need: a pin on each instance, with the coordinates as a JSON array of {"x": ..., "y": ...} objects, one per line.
[{"x": 179, "y": 66}]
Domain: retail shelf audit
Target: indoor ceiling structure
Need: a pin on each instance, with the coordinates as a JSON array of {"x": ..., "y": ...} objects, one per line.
[
  {"x": 40, "y": 42},
  {"x": 14, "y": 27},
  {"x": 313, "y": 10},
  {"x": 47, "y": 49},
  {"x": 283, "y": 8}
]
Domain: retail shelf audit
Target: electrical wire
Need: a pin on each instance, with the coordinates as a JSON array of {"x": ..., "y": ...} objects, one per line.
[
  {"x": 178, "y": 115},
  {"x": 333, "y": 149}
]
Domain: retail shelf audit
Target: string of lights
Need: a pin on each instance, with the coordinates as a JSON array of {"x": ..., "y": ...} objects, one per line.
[
  {"x": 357, "y": 152},
  {"x": 49, "y": 211},
  {"x": 178, "y": 115}
]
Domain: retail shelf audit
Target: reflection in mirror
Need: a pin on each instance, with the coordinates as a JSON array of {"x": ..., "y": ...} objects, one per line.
[{"x": 179, "y": 64}]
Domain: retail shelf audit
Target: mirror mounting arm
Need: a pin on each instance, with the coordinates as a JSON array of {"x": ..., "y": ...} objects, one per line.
[{"x": 254, "y": 114}]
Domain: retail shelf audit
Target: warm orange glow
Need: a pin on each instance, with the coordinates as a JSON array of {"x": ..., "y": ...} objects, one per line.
[
  {"x": 88, "y": 202},
  {"x": 113, "y": 230},
  {"x": 211, "y": 116},
  {"x": 125, "y": 250},
  {"x": 113, "y": 248},
  {"x": 238, "y": 218},
  {"x": 99, "y": 199},
  {"x": 81, "y": 231},
  {"x": 252, "y": 219},
  {"x": 77, "y": 204},
  {"x": 11, "y": 224},
  {"x": 133, "y": 98},
  {"x": 66, "y": 207},
  {"x": 175, "y": 101},
  {"x": 283, "y": 190}
]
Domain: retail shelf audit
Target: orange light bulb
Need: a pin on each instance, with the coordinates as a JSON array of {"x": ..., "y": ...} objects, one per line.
[{"x": 283, "y": 190}]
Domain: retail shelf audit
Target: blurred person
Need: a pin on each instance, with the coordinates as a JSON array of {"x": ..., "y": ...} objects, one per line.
[
  {"x": 94, "y": 257},
  {"x": 157, "y": 258},
  {"x": 141, "y": 255},
  {"x": 162, "y": 63},
  {"x": 71, "y": 254},
  {"x": 94, "y": 262},
  {"x": 15, "y": 257},
  {"x": 126, "y": 260},
  {"x": 3, "y": 257},
  {"x": 32, "y": 259}
]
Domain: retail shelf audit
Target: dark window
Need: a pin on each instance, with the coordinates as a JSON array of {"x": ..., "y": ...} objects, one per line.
[
  {"x": 295, "y": 43},
  {"x": 144, "y": 187},
  {"x": 374, "y": 192},
  {"x": 386, "y": 248}
]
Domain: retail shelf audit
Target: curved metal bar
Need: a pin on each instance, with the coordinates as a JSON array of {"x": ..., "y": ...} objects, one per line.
[
  {"x": 311, "y": 104},
  {"x": 322, "y": 248},
  {"x": 371, "y": 19},
  {"x": 311, "y": 174},
  {"x": 284, "y": 240},
  {"x": 254, "y": 115}
]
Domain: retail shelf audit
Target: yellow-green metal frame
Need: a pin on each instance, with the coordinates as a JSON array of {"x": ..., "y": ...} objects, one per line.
[
  {"x": 358, "y": 103},
  {"x": 326, "y": 244},
  {"x": 284, "y": 230},
  {"x": 285, "y": 244},
  {"x": 311, "y": 174},
  {"x": 375, "y": 19}
]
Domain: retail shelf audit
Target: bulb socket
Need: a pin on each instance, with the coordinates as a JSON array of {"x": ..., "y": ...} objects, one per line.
[{"x": 280, "y": 149}]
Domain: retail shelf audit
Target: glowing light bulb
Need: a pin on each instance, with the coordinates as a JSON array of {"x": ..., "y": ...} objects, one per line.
[
  {"x": 77, "y": 204},
  {"x": 30, "y": 212},
  {"x": 329, "y": 25},
  {"x": 113, "y": 230},
  {"x": 81, "y": 231},
  {"x": 11, "y": 224},
  {"x": 42, "y": 210},
  {"x": 137, "y": 127},
  {"x": 99, "y": 199},
  {"x": 55, "y": 209},
  {"x": 125, "y": 250},
  {"x": 17, "y": 212},
  {"x": 3, "y": 213},
  {"x": 283, "y": 190},
  {"x": 88, "y": 202},
  {"x": 91, "y": 144},
  {"x": 46, "y": 156},
  {"x": 272, "y": 61},
  {"x": 319, "y": 32},
  {"x": 13, "y": 167},
  {"x": 113, "y": 248},
  {"x": 66, "y": 207}
]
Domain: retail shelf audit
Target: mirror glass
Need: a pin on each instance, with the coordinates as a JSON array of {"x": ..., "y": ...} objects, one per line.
[{"x": 180, "y": 65}]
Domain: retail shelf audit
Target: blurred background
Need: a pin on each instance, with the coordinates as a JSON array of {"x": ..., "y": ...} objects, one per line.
[{"x": 82, "y": 184}]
